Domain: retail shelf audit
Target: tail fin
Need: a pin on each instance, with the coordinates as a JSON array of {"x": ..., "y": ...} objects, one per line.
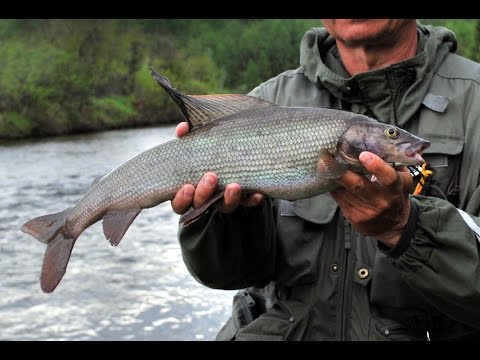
[
  {"x": 51, "y": 230},
  {"x": 45, "y": 228},
  {"x": 55, "y": 262}
]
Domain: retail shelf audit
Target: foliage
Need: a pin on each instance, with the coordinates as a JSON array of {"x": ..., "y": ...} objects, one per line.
[
  {"x": 74, "y": 75},
  {"x": 14, "y": 123}
]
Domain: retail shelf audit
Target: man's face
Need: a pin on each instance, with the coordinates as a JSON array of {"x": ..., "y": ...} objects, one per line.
[{"x": 353, "y": 32}]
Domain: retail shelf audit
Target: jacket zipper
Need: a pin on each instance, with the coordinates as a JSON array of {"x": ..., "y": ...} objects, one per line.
[{"x": 344, "y": 307}]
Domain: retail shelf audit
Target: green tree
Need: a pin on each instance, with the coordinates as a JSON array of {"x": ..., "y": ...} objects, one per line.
[{"x": 73, "y": 75}]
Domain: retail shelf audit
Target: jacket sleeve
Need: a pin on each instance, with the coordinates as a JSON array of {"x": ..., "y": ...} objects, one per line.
[
  {"x": 231, "y": 251},
  {"x": 442, "y": 261}
]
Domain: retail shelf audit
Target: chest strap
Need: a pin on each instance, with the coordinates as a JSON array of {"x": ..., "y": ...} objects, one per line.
[{"x": 471, "y": 224}]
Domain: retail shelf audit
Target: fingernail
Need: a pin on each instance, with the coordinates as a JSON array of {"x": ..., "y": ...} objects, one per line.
[
  {"x": 232, "y": 192},
  {"x": 366, "y": 158},
  {"x": 209, "y": 180},
  {"x": 188, "y": 192}
]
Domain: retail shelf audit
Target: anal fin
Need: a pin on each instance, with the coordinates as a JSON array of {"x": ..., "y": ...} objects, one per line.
[
  {"x": 192, "y": 216},
  {"x": 116, "y": 223}
]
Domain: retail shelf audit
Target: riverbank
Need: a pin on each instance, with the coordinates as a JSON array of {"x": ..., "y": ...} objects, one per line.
[
  {"x": 67, "y": 76},
  {"x": 73, "y": 135},
  {"x": 110, "y": 114}
]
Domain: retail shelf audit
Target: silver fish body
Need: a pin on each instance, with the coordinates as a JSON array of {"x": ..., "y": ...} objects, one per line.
[{"x": 284, "y": 152}]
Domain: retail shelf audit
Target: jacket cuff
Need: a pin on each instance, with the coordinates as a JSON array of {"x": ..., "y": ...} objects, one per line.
[{"x": 407, "y": 235}]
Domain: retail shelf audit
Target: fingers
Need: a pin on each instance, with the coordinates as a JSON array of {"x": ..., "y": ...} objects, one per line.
[
  {"x": 386, "y": 174},
  {"x": 231, "y": 199},
  {"x": 189, "y": 196},
  {"x": 352, "y": 181},
  {"x": 205, "y": 189},
  {"x": 382, "y": 172},
  {"x": 182, "y": 129},
  {"x": 183, "y": 199},
  {"x": 254, "y": 199},
  {"x": 375, "y": 165}
]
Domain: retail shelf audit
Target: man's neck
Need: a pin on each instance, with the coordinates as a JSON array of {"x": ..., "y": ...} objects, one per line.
[{"x": 362, "y": 58}]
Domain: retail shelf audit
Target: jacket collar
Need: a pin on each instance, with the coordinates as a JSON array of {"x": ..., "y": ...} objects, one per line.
[{"x": 392, "y": 94}]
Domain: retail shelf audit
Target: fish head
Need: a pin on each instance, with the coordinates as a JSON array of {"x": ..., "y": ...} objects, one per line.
[{"x": 394, "y": 145}]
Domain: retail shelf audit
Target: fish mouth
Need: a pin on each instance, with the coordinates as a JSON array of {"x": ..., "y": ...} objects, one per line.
[
  {"x": 413, "y": 153},
  {"x": 416, "y": 150}
]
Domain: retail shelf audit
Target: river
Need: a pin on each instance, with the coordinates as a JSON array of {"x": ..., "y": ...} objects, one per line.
[{"x": 139, "y": 290}]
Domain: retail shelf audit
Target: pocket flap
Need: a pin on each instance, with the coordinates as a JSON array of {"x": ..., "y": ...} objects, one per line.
[
  {"x": 436, "y": 156},
  {"x": 442, "y": 144},
  {"x": 286, "y": 320},
  {"x": 446, "y": 135},
  {"x": 319, "y": 209}
]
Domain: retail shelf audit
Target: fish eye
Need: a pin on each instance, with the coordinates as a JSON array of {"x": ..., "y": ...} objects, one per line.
[{"x": 391, "y": 133}]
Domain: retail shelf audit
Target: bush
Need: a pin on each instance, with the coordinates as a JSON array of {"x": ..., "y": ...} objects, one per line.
[{"x": 65, "y": 76}]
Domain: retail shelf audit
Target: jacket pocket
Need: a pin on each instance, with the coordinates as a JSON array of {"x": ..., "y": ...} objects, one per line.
[
  {"x": 301, "y": 229},
  {"x": 319, "y": 209},
  {"x": 286, "y": 320},
  {"x": 443, "y": 156},
  {"x": 244, "y": 310},
  {"x": 390, "y": 330}
]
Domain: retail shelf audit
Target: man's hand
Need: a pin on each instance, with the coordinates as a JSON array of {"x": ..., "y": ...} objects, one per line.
[
  {"x": 188, "y": 196},
  {"x": 182, "y": 129},
  {"x": 378, "y": 208}
]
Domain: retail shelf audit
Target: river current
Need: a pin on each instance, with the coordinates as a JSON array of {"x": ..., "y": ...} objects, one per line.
[{"x": 139, "y": 290}]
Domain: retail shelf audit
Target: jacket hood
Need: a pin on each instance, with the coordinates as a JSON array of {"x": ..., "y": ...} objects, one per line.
[{"x": 392, "y": 94}]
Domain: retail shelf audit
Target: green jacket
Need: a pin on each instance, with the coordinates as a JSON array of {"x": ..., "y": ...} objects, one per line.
[{"x": 306, "y": 273}]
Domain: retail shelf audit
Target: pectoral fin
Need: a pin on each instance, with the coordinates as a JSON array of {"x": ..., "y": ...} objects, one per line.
[
  {"x": 193, "y": 215},
  {"x": 116, "y": 223},
  {"x": 329, "y": 168}
]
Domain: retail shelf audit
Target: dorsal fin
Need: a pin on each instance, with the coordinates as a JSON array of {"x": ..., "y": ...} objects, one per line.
[
  {"x": 97, "y": 180},
  {"x": 202, "y": 109}
]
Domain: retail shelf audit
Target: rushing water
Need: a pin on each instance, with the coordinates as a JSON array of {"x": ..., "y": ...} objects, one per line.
[{"x": 139, "y": 290}]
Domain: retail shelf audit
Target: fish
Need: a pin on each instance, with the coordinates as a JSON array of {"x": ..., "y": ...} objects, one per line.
[{"x": 284, "y": 152}]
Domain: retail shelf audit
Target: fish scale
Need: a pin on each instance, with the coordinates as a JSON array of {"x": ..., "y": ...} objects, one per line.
[
  {"x": 265, "y": 151},
  {"x": 240, "y": 150},
  {"x": 284, "y": 152}
]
